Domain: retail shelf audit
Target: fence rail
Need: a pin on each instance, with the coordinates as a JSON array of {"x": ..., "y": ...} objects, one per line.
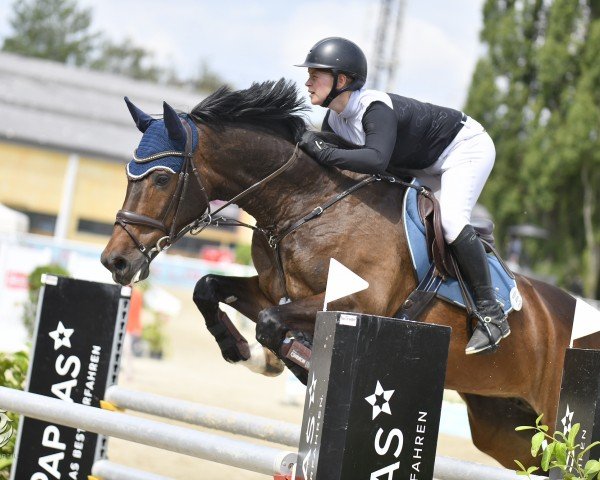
[
  {"x": 216, "y": 418},
  {"x": 256, "y": 458}
]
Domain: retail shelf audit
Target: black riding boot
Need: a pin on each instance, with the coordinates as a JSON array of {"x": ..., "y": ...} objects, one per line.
[{"x": 492, "y": 325}]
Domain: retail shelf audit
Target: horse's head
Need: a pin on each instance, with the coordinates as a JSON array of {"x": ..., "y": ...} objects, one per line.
[{"x": 164, "y": 194}]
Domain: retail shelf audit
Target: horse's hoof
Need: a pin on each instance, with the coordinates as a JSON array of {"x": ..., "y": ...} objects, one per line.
[
  {"x": 263, "y": 361},
  {"x": 233, "y": 351}
]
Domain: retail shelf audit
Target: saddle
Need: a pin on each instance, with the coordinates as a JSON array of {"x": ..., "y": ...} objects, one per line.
[
  {"x": 437, "y": 272},
  {"x": 439, "y": 250}
]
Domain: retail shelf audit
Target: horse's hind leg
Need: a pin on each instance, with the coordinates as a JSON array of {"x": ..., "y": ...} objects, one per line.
[
  {"x": 243, "y": 294},
  {"x": 295, "y": 319},
  {"x": 493, "y": 421}
]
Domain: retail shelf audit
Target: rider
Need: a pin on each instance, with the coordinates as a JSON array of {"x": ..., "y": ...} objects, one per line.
[{"x": 446, "y": 149}]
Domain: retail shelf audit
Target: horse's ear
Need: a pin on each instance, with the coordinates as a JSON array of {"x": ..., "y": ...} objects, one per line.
[
  {"x": 175, "y": 129},
  {"x": 142, "y": 120}
]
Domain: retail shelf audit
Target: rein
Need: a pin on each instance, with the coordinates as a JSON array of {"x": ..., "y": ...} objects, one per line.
[
  {"x": 275, "y": 240},
  {"x": 126, "y": 218},
  {"x": 207, "y": 219}
]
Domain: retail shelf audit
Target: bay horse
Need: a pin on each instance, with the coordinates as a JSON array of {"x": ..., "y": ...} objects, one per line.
[{"x": 240, "y": 146}]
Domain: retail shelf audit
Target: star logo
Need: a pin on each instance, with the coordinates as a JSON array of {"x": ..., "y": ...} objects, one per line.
[
  {"x": 61, "y": 336},
  {"x": 567, "y": 420},
  {"x": 311, "y": 390},
  {"x": 380, "y": 400}
]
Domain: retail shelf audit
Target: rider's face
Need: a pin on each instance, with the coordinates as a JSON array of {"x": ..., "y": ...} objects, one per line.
[{"x": 319, "y": 85}]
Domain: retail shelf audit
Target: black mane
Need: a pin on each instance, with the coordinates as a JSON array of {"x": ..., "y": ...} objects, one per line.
[{"x": 276, "y": 106}]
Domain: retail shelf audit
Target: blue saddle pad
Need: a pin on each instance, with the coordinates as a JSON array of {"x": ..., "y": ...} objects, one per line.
[{"x": 505, "y": 286}]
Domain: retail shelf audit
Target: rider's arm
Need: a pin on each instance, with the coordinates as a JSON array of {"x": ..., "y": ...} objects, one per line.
[{"x": 380, "y": 125}]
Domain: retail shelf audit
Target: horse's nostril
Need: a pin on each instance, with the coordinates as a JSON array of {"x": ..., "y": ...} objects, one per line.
[{"x": 120, "y": 264}]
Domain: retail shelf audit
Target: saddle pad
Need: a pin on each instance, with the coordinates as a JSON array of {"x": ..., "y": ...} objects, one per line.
[
  {"x": 156, "y": 140},
  {"x": 506, "y": 288}
]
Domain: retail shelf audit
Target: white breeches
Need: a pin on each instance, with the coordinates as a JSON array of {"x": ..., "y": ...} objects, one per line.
[{"x": 458, "y": 176}]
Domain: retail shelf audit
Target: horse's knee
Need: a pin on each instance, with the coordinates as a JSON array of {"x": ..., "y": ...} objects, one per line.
[
  {"x": 205, "y": 291},
  {"x": 269, "y": 329}
]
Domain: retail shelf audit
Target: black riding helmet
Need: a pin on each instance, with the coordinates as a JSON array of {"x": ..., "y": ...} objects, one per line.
[{"x": 340, "y": 56}]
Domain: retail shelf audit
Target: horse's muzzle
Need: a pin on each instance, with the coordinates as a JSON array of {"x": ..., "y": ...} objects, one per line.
[{"x": 125, "y": 271}]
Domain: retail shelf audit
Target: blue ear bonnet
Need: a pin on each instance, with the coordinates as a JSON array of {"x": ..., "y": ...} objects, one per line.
[{"x": 156, "y": 140}]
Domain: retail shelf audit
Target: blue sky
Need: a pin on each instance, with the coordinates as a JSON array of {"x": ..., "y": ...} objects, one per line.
[{"x": 246, "y": 41}]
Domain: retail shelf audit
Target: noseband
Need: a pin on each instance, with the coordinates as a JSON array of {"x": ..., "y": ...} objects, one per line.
[{"x": 126, "y": 218}]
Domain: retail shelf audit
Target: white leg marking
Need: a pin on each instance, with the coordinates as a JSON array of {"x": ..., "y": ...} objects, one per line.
[{"x": 263, "y": 361}]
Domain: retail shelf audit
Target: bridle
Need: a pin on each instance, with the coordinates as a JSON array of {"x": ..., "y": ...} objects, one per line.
[
  {"x": 274, "y": 237},
  {"x": 126, "y": 218}
]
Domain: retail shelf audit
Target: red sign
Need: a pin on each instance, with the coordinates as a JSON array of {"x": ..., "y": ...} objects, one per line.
[{"x": 17, "y": 280}]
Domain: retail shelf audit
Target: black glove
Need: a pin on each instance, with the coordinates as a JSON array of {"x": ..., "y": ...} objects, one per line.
[{"x": 315, "y": 147}]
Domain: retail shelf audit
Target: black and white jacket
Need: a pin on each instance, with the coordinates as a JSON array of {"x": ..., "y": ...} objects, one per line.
[{"x": 396, "y": 133}]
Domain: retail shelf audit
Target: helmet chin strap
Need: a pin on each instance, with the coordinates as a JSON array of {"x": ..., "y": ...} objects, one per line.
[{"x": 334, "y": 92}]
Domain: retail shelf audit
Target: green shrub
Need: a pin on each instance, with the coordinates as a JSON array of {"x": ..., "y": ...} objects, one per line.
[
  {"x": 13, "y": 374},
  {"x": 561, "y": 451},
  {"x": 35, "y": 284},
  {"x": 153, "y": 333},
  {"x": 243, "y": 254}
]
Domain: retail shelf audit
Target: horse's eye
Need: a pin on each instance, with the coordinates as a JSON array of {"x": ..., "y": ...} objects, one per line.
[{"x": 161, "y": 179}]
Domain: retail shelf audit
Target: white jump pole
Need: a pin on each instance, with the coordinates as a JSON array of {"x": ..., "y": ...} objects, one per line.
[
  {"x": 452, "y": 469},
  {"x": 261, "y": 459},
  {"x": 105, "y": 470},
  {"x": 275, "y": 431},
  {"x": 256, "y": 458},
  {"x": 216, "y": 418}
]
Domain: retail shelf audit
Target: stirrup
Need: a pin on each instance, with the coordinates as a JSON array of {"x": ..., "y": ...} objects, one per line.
[{"x": 484, "y": 325}]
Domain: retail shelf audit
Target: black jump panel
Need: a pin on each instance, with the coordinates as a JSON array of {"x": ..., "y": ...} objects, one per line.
[
  {"x": 580, "y": 400},
  {"x": 373, "y": 400},
  {"x": 79, "y": 332}
]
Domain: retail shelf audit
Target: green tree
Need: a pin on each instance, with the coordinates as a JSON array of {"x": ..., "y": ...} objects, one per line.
[
  {"x": 207, "y": 79},
  {"x": 60, "y": 30},
  {"x": 35, "y": 286},
  {"x": 537, "y": 92},
  {"x": 127, "y": 58},
  {"x": 54, "y": 29}
]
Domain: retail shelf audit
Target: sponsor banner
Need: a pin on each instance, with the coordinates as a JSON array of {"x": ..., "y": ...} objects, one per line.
[
  {"x": 373, "y": 399},
  {"x": 579, "y": 394},
  {"x": 80, "y": 327}
]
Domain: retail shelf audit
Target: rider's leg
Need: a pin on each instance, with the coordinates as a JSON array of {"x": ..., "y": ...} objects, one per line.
[
  {"x": 492, "y": 325},
  {"x": 465, "y": 168}
]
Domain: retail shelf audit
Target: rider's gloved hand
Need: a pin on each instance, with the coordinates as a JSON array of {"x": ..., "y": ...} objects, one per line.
[{"x": 315, "y": 146}]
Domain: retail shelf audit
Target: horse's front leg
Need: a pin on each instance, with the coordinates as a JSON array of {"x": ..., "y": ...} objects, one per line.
[
  {"x": 277, "y": 325},
  {"x": 244, "y": 295}
]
